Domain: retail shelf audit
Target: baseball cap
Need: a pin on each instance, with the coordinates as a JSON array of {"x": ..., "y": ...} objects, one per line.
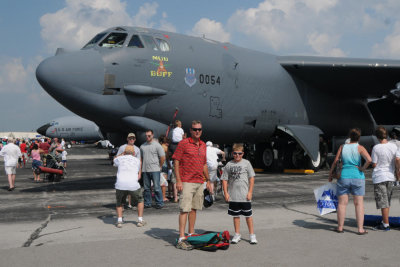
[
  {"x": 131, "y": 135},
  {"x": 209, "y": 143}
]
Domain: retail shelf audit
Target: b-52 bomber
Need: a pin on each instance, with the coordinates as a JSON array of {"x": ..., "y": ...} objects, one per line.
[{"x": 132, "y": 79}]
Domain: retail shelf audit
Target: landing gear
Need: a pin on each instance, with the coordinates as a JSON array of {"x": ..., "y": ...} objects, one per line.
[{"x": 268, "y": 157}]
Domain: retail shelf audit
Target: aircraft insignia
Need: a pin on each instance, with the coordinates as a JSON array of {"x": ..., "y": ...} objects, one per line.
[{"x": 190, "y": 77}]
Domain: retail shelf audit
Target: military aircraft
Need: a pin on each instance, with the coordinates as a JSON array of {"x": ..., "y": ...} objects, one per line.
[
  {"x": 133, "y": 79},
  {"x": 72, "y": 128}
]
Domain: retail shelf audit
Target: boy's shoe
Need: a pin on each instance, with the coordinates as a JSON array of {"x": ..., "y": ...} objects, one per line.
[
  {"x": 253, "y": 239},
  {"x": 142, "y": 223},
  {"x": 119, "y": 224},
  {"x": 184, "y": 245},
  {"x": 382, "y": 227},
  {"x": 236, "y": 238}
]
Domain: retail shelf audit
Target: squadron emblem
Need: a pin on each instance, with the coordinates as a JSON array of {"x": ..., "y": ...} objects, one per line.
[{"x": 190, "y": 77}]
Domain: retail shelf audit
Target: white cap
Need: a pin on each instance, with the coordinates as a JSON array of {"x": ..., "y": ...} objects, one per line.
[{"x": 209, "y": 143}]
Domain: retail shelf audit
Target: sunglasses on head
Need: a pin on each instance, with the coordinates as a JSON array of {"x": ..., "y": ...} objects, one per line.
[
  {"x": 196, "y": 129},
  {"x": 237, "y": 153}
]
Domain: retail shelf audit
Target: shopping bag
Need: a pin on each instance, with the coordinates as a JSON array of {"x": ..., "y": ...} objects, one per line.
[{"x": 326, "y": 197}]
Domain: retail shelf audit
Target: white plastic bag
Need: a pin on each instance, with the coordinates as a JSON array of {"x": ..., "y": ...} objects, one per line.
[{"x": 326, "y": 197}]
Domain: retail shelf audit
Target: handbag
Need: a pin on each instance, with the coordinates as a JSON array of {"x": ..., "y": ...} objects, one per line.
[{"x": 338, "y": 168}]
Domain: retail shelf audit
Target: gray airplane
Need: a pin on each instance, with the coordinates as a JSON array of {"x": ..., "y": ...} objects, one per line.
[
  {"x": 131, "y": 79},
  {"x": 72, "y": 128}
]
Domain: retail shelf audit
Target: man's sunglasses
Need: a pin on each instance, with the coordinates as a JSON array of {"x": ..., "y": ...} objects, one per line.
[
  {"x": 237, "y": 153},
  {"x": 196, "y": 129}
]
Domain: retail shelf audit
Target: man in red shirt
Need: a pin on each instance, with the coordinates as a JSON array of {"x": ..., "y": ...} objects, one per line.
[
  {"x": 24, "y": 151},
  {"x": 45, "y": 147},
  {"x": 190, "y": 169}
]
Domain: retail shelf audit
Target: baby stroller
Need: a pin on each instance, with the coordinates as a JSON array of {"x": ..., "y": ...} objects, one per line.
[{"x": 54, "y": 169}]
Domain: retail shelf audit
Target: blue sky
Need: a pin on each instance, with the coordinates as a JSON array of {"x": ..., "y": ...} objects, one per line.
[{"x": 32, "y": 30}]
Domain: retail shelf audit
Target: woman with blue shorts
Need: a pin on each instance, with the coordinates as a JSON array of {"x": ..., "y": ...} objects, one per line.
[{"x": 352, "y": 179}]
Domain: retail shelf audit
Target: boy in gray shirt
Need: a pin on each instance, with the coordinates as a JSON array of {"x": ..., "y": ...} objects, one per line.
[{"x": 238, "y": 182}]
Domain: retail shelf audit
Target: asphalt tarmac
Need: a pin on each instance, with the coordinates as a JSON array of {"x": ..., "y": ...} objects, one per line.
[{"x": 72, "y": 223}]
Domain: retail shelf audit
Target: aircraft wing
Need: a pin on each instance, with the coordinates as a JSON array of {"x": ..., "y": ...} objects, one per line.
[{"x": 362, "y": 78}]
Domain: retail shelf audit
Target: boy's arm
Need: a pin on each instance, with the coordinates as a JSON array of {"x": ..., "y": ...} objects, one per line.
[
  {"x": 225, "y": 188},
  {"x": 251, "y": 186}
]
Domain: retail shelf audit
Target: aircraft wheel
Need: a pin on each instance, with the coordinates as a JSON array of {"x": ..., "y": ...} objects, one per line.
[
  {"x": 314, "y": 165},
  {"x": 268, "y": 157}
]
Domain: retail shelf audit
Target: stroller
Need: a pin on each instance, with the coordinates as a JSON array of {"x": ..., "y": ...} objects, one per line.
[{"x": 54, "y": 169}]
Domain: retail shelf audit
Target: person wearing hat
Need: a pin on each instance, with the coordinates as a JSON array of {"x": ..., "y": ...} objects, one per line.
[
  {"x": 131, "y": 138},
  {"x": 11, "y": 154},
  {"x": 127, "y": 183},
  {"x": 131, "y": 141}
]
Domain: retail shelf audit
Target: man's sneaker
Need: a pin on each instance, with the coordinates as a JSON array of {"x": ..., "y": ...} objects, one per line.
[
  {"x": 119, "y": 224},
  {"x": 129, "y": 207},
  {"x": 142, "y": 223},
  {"x": 158, "y": 207},
  {"x": 184, "y": 245},
  {"x": 236, "y": 238},
  {"x": 147, "y": 206},
  {"x": 253, "y": 239},
  {"x": 382, "y": 227}
]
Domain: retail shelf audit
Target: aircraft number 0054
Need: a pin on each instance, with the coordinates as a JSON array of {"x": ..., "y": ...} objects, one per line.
[{"x": 209, "y": 79}]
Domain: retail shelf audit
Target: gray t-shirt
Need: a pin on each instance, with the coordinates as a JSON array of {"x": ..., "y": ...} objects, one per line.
[
  {"x": 237, "y": 174},
  {"x": 121, "y": 150},
  {"x": 151, "y": 154}
]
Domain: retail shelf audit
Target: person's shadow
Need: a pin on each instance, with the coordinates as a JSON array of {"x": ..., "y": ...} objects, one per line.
[{"x": 168, "y": 235}]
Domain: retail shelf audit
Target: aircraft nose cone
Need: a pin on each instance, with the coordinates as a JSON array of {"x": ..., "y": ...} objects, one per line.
[
  {"x": 66, "y": 74},
  {"x": 43, "y": 129}
]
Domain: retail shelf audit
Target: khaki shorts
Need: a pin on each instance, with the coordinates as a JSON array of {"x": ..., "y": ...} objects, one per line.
[
  {"x": 191, "y": 197},
  {"x": 11, "y": 169},
  {"x": 383, "y": 194},
  {"x": 136, "y": 196}
]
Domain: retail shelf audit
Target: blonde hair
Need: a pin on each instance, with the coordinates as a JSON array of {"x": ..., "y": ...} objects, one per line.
[
  {"x": 178, "y": 123},
  {"x": 238, "y": 146},
  {"x": 129, "y": 150}
]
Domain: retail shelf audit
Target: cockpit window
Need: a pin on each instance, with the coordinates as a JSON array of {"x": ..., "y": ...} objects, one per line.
[
  {"x": 114, "y": 39},
  {"x": 135, "y": 42},
  {"x": 162, "y": 44},
  {"x": 95, "y": 39},
  {"x": 149, "y": 41}
]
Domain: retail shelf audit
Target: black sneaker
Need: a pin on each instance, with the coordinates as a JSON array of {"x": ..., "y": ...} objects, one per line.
[
  {"x": 147, "y": 207},
  {"x": 382, "y": 227},
  {"x": 158, "y": 207}
]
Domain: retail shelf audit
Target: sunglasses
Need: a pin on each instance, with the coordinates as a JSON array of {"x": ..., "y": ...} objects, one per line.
[
  {"x": 237, "y": 153},
  {"x": 196, "y": 129},
  {"x": 148, "y": 135}
]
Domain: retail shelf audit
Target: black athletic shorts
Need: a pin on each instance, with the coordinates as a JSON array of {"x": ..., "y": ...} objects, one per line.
[{"x": 240, "y": 208}]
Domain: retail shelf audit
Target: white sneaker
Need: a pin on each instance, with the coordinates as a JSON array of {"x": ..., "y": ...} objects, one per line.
[
  {"x": 236, "y": 238},
  {"x": 141, "y": 223},
  {"x": 253, "y": 239}
]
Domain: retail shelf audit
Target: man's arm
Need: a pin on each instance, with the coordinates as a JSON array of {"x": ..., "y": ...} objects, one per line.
[
  {"x": 397, "y": 172},
  {"x": 162, "y": 160},
  {"x": 179, "y": 185}
]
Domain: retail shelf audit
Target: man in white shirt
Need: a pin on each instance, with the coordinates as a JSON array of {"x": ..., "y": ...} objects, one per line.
[
  {"x": 128, "y": 183},
  {"x": 11, "y": 153},
  {"x": 212, "y": 164},
  {"x": 131, "y": 138},
  {"x": 383, "y": 176}
]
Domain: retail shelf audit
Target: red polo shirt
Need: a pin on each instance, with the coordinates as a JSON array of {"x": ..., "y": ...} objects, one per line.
[{"x": 192, "y": 158}]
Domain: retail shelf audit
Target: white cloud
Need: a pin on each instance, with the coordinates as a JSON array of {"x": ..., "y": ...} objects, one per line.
[
  {"x": 390, "y": 47},
  {"x": 285, "y": 24},
  {"x": 325, "y": 44},
  {"x": 13, "y": 76},
  {"x": 211, "y": 29},
  {"x": 74, "y": 25}
]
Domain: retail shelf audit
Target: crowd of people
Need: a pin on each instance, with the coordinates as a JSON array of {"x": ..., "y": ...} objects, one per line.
[
  {"x": 186, "y": 166},
  {"x": 17, "y": 152},
  {"x": 385, "y": 159}
]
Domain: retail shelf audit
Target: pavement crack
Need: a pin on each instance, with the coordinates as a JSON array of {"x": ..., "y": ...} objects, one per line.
[{"x": 36, "y": 233}]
